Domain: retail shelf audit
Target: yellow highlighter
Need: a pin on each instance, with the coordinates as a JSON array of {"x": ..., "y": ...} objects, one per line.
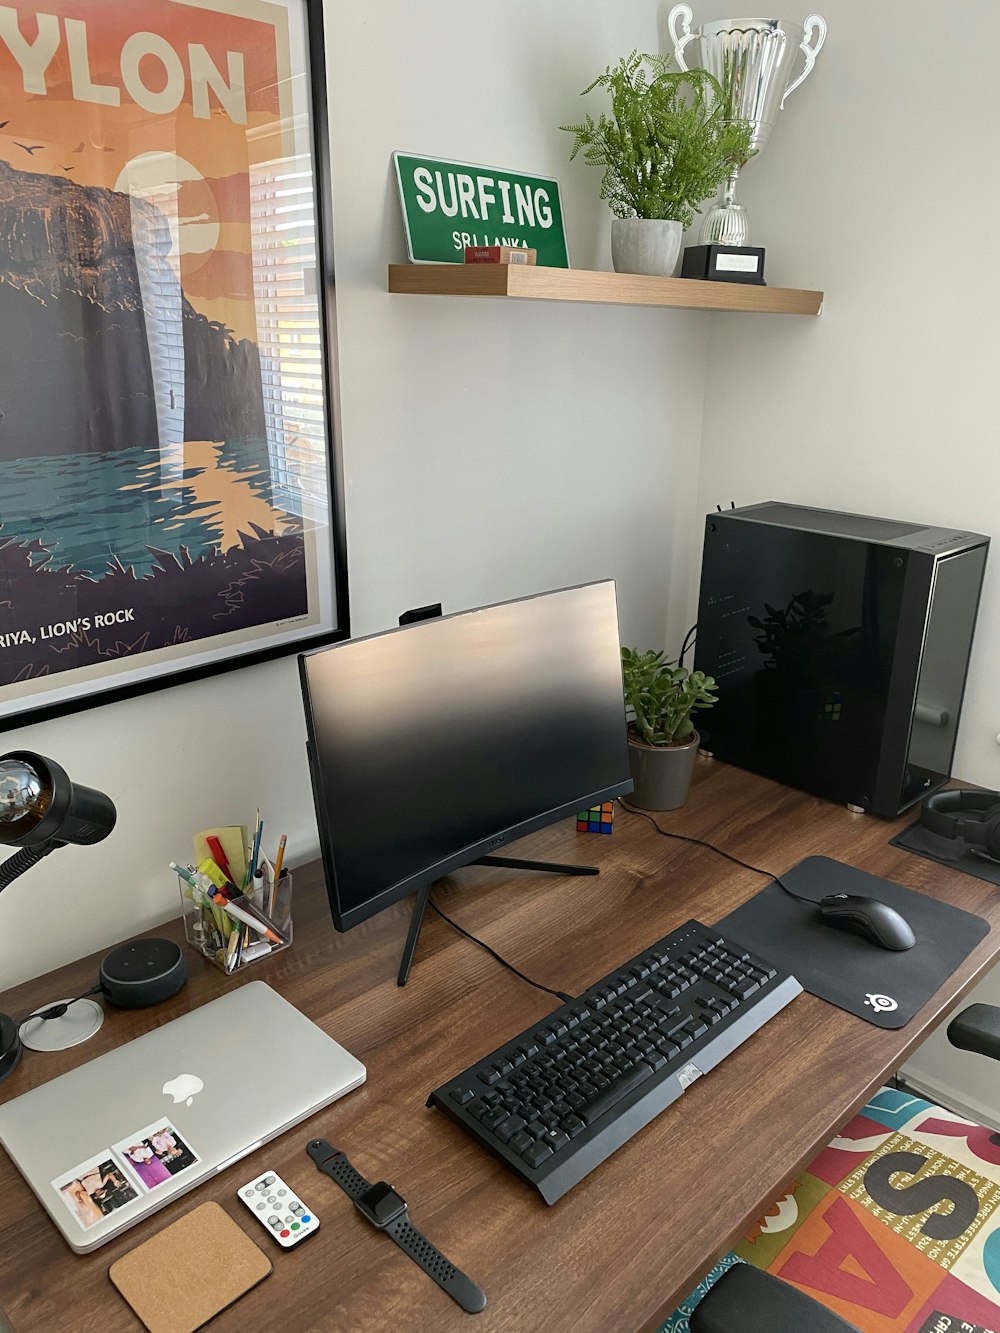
[
  {"x": 234, "y": 845},
  {"x": 209, "y": 868}
]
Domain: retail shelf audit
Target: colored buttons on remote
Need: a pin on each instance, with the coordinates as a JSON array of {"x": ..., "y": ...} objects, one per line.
[{"x": 277, "y": 1209}]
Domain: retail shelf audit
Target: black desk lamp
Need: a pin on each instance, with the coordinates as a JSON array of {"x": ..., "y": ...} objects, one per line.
[{"x": 40, "y": 810}]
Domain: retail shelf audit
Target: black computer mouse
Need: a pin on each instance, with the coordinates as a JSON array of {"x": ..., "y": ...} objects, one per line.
[{"x": 875, "y": 920}]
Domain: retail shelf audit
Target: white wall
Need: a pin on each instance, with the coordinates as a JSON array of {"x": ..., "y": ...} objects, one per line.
[
  {"x": 877, "y": 187},
  {"x": 491, "y": 449}
]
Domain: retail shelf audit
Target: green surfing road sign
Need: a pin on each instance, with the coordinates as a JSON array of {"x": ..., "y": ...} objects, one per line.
[{"x": 449, "y": 205}]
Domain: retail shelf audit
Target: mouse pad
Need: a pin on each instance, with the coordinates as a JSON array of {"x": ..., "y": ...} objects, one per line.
[
  {"x": 947, "y": 852},
  {"x": 883, "y": 986}
]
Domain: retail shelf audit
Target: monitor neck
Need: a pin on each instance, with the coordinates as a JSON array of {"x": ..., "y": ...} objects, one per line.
[{"x": 511, "y": 863}]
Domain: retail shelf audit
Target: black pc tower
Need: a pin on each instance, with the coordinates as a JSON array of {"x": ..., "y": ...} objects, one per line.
[{"x": 840, "y": 645}]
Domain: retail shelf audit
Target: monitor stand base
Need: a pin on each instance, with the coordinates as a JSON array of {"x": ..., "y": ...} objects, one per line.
[{"x": 511, "y": 863}]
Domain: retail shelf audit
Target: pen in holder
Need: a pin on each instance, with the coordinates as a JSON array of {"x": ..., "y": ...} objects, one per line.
[{"x": 242, "y": 931}]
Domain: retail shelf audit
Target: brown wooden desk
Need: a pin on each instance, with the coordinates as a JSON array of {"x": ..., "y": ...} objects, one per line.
[{"x": 620, "y": 1249}]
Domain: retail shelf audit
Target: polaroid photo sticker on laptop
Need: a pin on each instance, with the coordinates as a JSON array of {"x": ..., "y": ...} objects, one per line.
[
  {"x": 156, "y": 1154},
  {"x": 95, "y": 1189}
]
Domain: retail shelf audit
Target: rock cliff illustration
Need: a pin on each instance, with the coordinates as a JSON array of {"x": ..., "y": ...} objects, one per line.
[
  {"x": 78, "y": 265},
  {"x": 96, "y": 336}
]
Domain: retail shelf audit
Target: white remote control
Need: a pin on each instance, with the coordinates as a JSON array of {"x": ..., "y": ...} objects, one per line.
[{"x": 278, "y": 1210}]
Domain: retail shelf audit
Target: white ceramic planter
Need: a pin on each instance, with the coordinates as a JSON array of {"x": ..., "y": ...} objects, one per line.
[{"x": 645, "y": 245}]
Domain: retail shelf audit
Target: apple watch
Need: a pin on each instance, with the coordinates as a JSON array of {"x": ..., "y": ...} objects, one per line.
[{"x": 386, "y": 1209}]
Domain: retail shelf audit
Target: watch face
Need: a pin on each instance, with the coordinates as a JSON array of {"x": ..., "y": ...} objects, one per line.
[{"x": 381, "y": 1203}]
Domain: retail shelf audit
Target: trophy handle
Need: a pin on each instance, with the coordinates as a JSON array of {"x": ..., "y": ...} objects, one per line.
[
  {"x": 814, "y": 24},
  {"x": 685, "y": 13}
]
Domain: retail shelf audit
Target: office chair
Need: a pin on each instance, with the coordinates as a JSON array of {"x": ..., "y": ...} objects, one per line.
[{"x": 895, "y": 1225}]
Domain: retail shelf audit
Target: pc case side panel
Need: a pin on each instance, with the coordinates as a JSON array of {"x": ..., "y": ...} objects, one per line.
[
  {"x": 925, "y": 707},
  {"x": 799, "y": 629}
]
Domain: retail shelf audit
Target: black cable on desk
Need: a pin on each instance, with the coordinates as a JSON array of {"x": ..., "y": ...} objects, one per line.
[
  {"x": 57, "y": 1010},
  {"x": 560, "y": 995},
  {"x": 700, "y": 842}
]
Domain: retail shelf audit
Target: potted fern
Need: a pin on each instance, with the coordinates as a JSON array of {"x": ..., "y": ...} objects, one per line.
[
  {"x": 665, "y": 148},
  {"x": 662, "y": 741}
]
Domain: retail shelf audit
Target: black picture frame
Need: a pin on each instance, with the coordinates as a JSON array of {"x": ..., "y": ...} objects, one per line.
[{"x": 301, "y": 564}]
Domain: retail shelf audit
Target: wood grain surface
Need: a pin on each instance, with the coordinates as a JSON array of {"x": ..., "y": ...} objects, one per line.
[
  {"x": 528, "y": 282},
  {"x": 619, "y": 1250}
]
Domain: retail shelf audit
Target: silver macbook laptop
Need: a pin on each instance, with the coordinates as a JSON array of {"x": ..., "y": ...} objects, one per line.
[{"x": 111, "y": 1142}]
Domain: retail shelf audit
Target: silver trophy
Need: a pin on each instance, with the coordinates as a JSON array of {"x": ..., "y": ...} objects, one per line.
[{"x": 751, "y": 59}]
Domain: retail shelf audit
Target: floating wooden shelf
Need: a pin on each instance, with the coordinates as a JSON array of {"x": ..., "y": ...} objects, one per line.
[{"x": 527, "y": 282}]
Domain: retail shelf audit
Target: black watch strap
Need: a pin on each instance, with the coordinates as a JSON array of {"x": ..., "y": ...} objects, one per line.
[{"x": 333, "y": 1163}]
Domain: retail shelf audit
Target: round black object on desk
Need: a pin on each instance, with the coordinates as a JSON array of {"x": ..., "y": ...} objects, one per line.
[
  {"x": 143, "y": 972},
  {"x": 10, "y": 1047}
]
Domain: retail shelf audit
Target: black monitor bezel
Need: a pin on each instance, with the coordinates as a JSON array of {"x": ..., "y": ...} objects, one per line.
[{"x": 426, "y": 875}]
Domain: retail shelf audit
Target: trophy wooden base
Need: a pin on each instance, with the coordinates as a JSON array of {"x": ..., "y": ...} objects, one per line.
[{"x": 724, "y": 263}]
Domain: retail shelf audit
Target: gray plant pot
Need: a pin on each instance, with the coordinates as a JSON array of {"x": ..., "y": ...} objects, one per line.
[
  {"x": 645, "y": 245},
  {"x": 661, "y": 773}
]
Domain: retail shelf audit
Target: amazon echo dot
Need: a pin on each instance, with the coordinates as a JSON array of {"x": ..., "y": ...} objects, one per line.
[{"x": 143, "y": 972}]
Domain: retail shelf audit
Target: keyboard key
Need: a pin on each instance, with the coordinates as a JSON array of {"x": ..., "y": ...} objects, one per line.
[
  {"x": 508, "y": 1127},
  {"x": 536, "y": 1154},
  {"x": 462, "y": 1095},
  {"x": 604, "y": 1101},
  {"x": 520, "y": 1141}
]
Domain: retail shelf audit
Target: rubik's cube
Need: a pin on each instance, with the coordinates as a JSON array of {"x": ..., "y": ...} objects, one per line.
[{"x": 598, "y": 819}]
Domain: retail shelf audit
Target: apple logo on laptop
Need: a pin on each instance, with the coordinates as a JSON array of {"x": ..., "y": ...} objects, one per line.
[{"x": 183, "y": 1088}]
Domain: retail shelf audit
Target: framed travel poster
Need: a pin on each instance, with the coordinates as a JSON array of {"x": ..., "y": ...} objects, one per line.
[{"x": 170, "y": 499}]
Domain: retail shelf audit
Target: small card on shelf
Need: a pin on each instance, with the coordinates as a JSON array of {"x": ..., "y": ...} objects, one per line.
[{"x": 724, "y": 263}]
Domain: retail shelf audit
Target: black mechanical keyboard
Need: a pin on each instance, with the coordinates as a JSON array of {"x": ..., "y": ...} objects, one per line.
[{"x": 557, "y": 1100}]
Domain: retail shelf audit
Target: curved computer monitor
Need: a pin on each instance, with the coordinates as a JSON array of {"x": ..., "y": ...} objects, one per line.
[{"x": 443, "y": 741}]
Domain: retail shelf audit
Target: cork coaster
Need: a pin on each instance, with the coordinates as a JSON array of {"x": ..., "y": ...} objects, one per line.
[{"x": 187, "y": 1273}]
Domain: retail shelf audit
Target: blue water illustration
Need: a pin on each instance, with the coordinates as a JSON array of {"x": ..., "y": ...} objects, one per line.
[{"x": 94, "y": 509}]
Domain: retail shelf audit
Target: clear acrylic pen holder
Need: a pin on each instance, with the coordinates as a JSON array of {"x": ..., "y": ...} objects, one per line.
[{"x": 230, "y": 942}]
